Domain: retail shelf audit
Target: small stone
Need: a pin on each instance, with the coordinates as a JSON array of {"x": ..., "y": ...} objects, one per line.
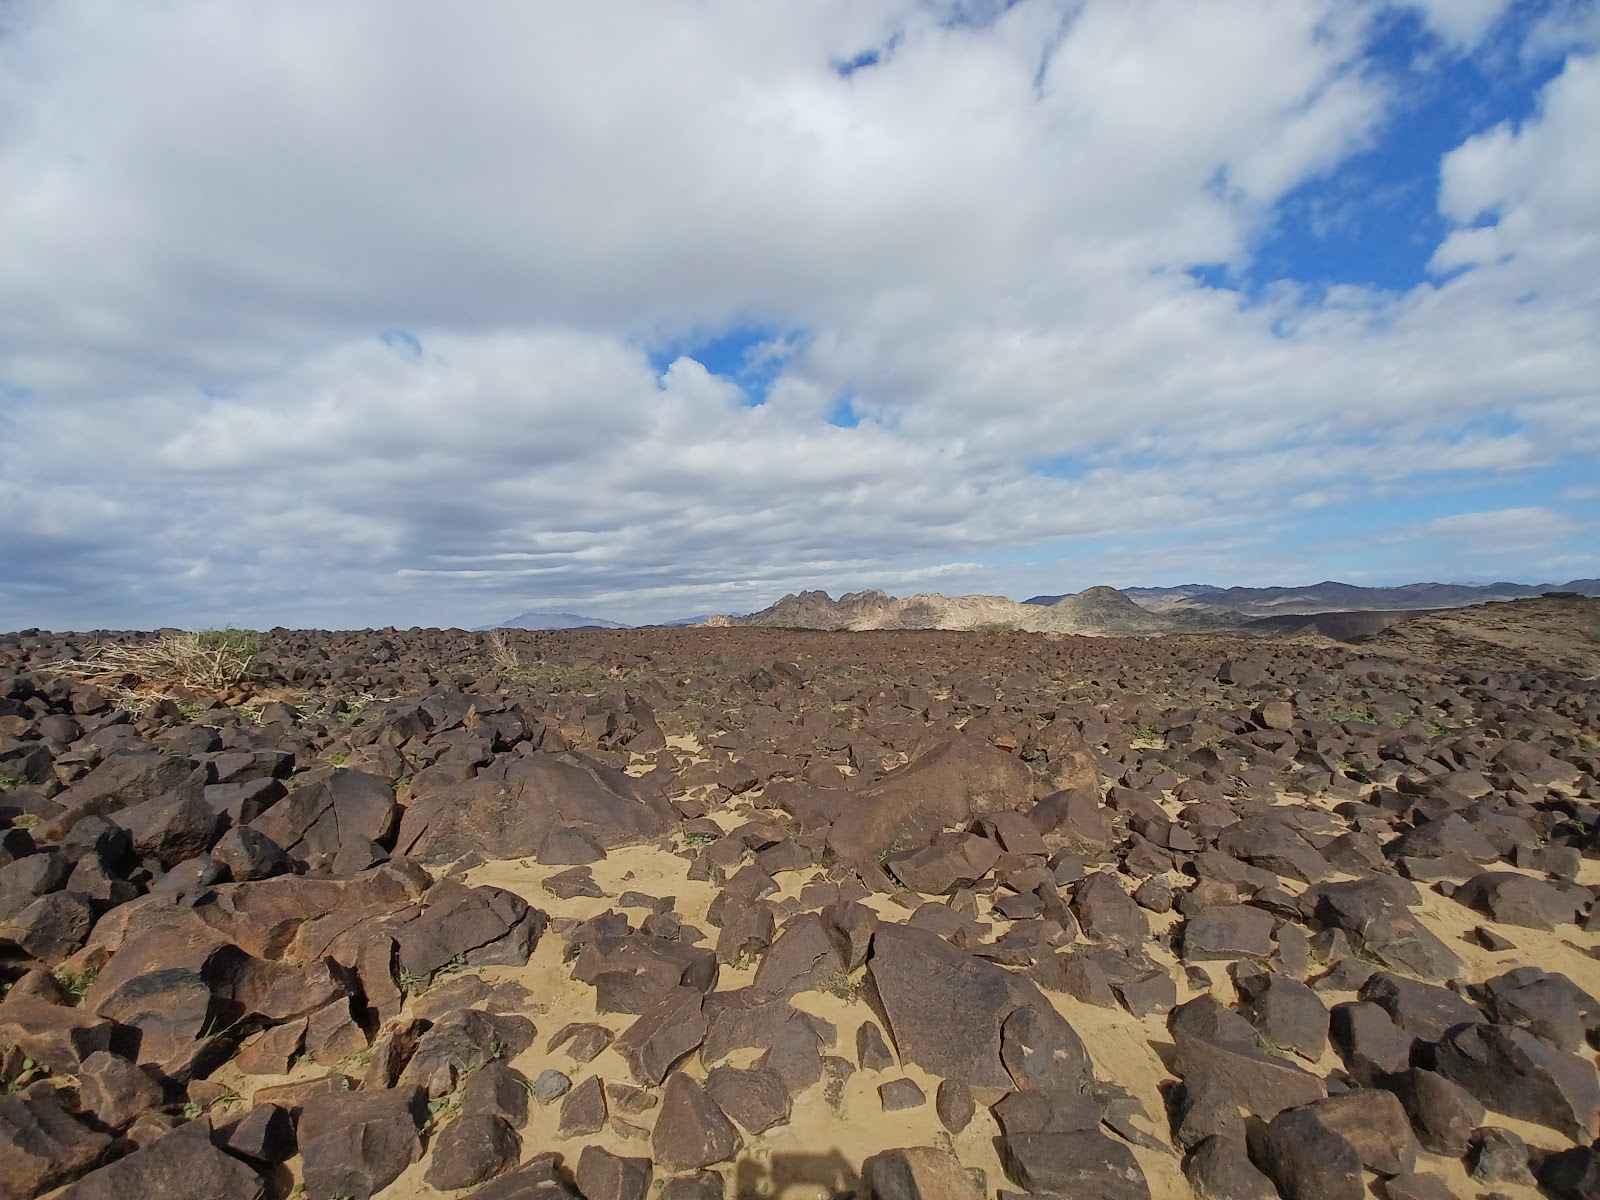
[
  {"x": 1500, "y": 1156},
  {"x": 954, "y": 1104},
  {"x": 900, "y": 1094},
  {"x": 550, "y": 1085},
  {"x": 872, "y": 1052},
  {"x": 582, "y": 1041},
  {"x": 602, "y": 1175},
  {"x": 1490, "y": 940}
]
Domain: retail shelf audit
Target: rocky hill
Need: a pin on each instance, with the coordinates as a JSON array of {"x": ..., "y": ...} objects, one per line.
[
  {"x": 1097, "y": 611},
  {"x": 1551, "y": 631}
]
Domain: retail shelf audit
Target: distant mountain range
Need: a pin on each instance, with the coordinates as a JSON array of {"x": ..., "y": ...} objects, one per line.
[
  {"x": 556, "y": 620},
  {"x": 1331, "y": 597},
  {"x": 1338, "y": 610}
]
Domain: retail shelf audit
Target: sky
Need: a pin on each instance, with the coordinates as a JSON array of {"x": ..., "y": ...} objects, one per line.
[{"x": 391, "y": 312}]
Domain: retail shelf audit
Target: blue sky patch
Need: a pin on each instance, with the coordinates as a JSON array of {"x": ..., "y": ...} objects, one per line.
[
  {"x": 743, "y": 354},
  {"x": 1374, "y": 220}
]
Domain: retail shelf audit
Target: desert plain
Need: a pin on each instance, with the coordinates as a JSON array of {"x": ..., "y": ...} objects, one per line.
[{"x": 770, "y": 912}]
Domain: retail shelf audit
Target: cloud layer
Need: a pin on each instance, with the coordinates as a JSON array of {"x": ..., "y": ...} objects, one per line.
[{"x": 358, "y": 314}]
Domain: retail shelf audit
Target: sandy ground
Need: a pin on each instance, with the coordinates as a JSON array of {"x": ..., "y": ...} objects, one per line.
[{"x": 820, "y": 1150}]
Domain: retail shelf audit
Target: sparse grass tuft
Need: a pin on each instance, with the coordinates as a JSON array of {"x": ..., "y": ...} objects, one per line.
[
  {"x": 841, "y": 985},
  {"x": 1339, "y": 714},
  {"x": 1148, "y": 737},
  {"x": 8, "y": 780},
  {"x": 77, "y": 982},
  {"x": 212, "y": 659}
]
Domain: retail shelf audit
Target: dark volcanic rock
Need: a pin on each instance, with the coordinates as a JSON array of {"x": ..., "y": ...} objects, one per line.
[
  {"x": 602, "y": 1175},
  {"x": 509, "y": 810},
  {"x": 919, "y": 1173},
  {"x": 1513, "y": 1072},
  {"x": 691, "y": 1131},
  {"x": 1307, "y": 1159},
  {"x": 1262, "y": 1084},
  {"x": 357, "y": 1143},
  {"x": 183, "y": 1164},
  {"x": 1443, "y": 1113},
  {"x": 661, "y": 1036},
  {"x": 1219, "y": 1169},
  {"x": 41, "y": 1146},
  {"x": 471, "y": 1149},
  {"x": 757, "y": 1099},
  {"x": 1514, "y": 899},
  {"x": 1081, "y": 1164},
  {"x": 946, "y": 786},
  {"x": 1227, "y": 931},
  {"x": 945, "y": 1009},
  {"x": 326, "y": 822},
  {"x": 1287, "y": 1013},
  {"x": 1373, "y": 911}
]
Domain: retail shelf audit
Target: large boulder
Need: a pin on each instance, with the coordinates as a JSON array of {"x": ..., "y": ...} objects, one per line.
[
  {"x": 949, "y": 785},
  {"x": 183, "y": 1165},
  {"x": 509, "y": 810},
  {"x": 1374, "y": 912},
  {"x": 945, "y": 1010},
  {"x": 42, "y": 1146},
  {"x": 125, "y": 778},
  {"x": 332, "y": 825},
  {"x": 1512, "y": 1071}
]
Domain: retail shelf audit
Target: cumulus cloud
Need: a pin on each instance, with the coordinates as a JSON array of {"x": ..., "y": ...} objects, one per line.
[{"x": 354, "y": 314}]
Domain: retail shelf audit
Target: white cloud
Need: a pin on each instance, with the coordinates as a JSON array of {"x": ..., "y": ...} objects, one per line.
[
  {"x": 981, "y": 242},
  {"x": 1463, "y": 23}
]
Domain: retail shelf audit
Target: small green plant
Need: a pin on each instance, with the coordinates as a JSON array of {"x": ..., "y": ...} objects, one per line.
[
  {"x": 694, "y": 841},
  {"x": 1339, "y": 714},
  {"x": 842, "y": 986},
  {"x": 1150, "y": 737},
  {"x": 29, "y": 1071},
  {"x": 443, "y": 1108},
  {"x": 214, "y": 1028},
  {"x": 1435, "y": 729},
  {"x": 337, "y": 759},
  {"x": 9, "y": 780},
  {"x": 190, "y": 1110},
  {"x": 25, "y": 821},
  {"x": 413, "y": 984},
  {"x": 77, "y": 982}
]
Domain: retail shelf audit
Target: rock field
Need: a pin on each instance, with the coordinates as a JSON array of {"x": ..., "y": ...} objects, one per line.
[{"x": 692, "y": 913}]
